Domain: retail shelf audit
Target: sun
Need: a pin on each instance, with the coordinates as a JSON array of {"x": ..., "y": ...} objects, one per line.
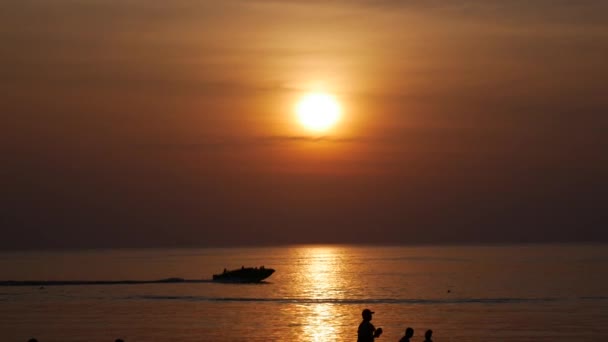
[{"x": 318, "y": 111}]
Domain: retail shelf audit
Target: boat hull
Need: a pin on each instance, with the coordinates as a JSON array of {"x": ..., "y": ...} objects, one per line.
[{"x": 244, "y": 275}]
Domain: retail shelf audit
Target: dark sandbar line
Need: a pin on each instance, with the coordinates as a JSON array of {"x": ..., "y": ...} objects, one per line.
[{"x": 98, "y": 282}]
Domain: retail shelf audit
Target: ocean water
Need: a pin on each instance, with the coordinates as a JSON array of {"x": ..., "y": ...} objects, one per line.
[{"x": 515, "y": 293}]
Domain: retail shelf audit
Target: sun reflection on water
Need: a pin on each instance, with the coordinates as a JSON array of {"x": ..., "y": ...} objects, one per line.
[{"x": 322, "y": 277}]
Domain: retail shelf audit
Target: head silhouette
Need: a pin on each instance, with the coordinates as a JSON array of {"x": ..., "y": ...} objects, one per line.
[
  {"x": 119, "y": 340},
  {"x": 367, "y": 314},
  {"x": 32, "y": 340},
  {"x": 428, "y": 334},
  {"x": 409, "y": 332}
]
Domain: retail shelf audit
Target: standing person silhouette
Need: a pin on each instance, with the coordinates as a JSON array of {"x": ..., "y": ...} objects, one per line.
[
  {"x": 367, "y": 332},
  {"x": 409, "y": 333},
  {"x": 428, "y": 335}
]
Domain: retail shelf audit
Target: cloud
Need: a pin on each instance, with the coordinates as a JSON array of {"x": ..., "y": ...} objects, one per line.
[
  {"x": 262, "y": 141},
  {"x": 585, "y": 12},
  {"x": 306, "y": 138}
]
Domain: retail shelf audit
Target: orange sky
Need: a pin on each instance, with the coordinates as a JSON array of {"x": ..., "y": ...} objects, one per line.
[{"x": 463, "y": 122}]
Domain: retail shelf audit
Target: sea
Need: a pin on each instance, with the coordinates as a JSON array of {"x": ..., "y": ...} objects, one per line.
[{"x": 463, "y": 293}]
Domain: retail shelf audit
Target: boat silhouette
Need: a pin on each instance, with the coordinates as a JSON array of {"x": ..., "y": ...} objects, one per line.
[{"x": 244, "y": 275}]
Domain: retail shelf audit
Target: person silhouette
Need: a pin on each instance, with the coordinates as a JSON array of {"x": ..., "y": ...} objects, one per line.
[
  {"x": 427, "y": 336},
  {"x": 32, "y": 340},
  {"x": 367, "y": 332},
  {"x": 119, "y": 340},
  {"x": 409, "y": 333}
]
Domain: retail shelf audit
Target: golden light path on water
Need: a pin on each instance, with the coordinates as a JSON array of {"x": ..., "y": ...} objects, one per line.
[{"x": 322, "y": 279}]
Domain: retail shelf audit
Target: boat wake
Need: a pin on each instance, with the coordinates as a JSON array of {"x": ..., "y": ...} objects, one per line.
[{"x": 99, "y": 282}]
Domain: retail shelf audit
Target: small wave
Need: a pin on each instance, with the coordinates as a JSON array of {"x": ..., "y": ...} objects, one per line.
[
  {"x": 347, "y": 301},
  {"x": 594, "y": 298},
  {"x": 420, "y": 259}
]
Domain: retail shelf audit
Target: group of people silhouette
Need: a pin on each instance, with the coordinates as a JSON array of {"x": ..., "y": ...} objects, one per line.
[
  {"x": 409, "y": 333},
  {"x": 367, "y": 332}
]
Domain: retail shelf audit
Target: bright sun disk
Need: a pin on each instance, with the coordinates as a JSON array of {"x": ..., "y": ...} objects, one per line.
[{"x": 318, "y": 111}]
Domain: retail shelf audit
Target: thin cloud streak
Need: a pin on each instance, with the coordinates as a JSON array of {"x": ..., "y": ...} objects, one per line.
[{"x": 272, "y": 140}]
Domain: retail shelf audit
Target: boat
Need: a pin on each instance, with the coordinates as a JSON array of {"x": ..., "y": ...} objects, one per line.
[{"x": 244, "y": 275}]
